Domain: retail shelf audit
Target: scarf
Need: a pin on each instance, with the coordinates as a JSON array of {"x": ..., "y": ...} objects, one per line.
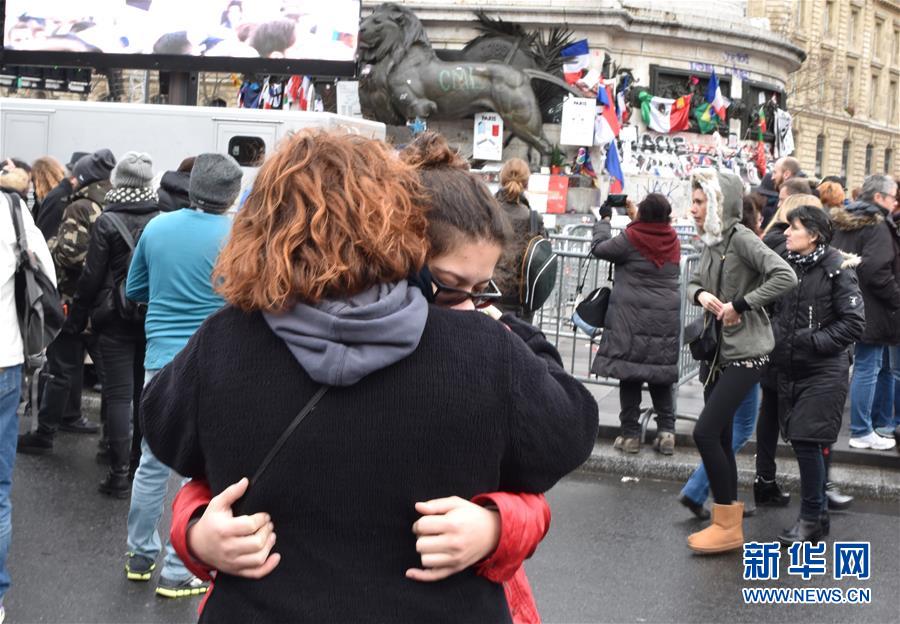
[
  {"x": 657, "y": 242},
  {"x": 807, "y": 261},
  {"x": 129, "y": 195}
]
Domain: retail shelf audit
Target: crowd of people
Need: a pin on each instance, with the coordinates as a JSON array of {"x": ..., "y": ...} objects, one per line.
[
  {"x": 796, "y": 284},
  {"x": 401, "y": 430}
]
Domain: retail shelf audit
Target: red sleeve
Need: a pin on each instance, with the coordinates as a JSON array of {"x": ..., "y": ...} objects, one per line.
[
  {"x": 192, "y": 498},
  {"x": 524, "y": 521}
]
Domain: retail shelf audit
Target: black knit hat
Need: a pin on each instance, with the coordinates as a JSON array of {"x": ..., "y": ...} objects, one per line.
[{"x": 95, "y": 167}]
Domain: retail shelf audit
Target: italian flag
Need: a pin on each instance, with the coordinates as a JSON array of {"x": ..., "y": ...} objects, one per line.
[{"x": 665, "y": 115}]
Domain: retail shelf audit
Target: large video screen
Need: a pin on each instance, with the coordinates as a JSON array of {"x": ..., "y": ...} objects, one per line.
[{"x": 236, "y": 35}]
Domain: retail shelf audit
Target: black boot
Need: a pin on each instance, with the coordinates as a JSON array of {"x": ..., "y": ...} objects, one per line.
[
  {"x": 116, "y": 483},
  {"x": 802, "y": 531},
  {"x": 767, "y": 493},
  {"x": 699, "y": 511},
  {"x": 836, "y": 499},
  {"x": 103, "y": 454},
  {"x": 35, "y": 443}
]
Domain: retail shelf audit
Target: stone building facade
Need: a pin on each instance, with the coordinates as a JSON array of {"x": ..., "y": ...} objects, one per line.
[{"x": 846, "y": 96}]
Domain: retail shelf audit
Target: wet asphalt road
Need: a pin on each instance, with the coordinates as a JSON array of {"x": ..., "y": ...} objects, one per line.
[{"x": 615, "y": 553}]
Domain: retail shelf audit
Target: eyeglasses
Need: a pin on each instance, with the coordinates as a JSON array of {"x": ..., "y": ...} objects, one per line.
[{"x": 447, "y": 296}]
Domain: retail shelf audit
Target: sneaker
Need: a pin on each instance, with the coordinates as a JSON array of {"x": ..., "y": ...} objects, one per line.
[
  {"x": 665, "y": 443},
  {"x": 873, "y": 441},
  {"x": 627, "y": 444},
  {"x": 192, "y": 586},
  {"x": 836, "y": 499},
  {"x": 138, "y": 567},
  {"x": 34, "y": 443},
  {"x": 885, "y": 432},
  {"x": 700, "y": 512},
  {"x": 79, "y": 425}
]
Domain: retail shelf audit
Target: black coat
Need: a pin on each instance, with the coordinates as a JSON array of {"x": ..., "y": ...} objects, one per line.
[
  {"x": 174, "y": 191},
  {"x": 471, "y": 410},
  {"x": 640, "y": 340},
  {"x": 814, "y": 326},
  {"x": 873, "y": 238},
  {"x": 508, "y": 273},
  {"x": 106, "y": 265}
]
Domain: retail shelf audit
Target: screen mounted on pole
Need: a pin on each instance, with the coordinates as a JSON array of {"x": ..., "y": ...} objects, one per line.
[{"x": 258, "y": 36}]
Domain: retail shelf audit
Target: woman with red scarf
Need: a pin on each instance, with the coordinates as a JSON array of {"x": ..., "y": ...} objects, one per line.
[{"x": 640, "y": 341}]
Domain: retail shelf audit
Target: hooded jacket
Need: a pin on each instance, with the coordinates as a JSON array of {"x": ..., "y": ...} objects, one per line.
[
  {"x": 174, "y": 190},
  {"x": 814, "y": 325},
  {"x": 640, "y": 339},
  {"x": 754, "y": 275},
  {"x": 464, "y": 413},
  {"x": 867, "y": 231}
]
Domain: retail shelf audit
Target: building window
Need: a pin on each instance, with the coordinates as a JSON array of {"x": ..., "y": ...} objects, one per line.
[
  {"x": 877, "y": 43},
  {"x": 850, "y": 87},
  {"x": 888, "y": 161},
  {"x": 828, "y": 18},
  {"x": 845, "y": 158},
  {"x": 897, "y": 47},
  {"x": 869, "y": 149},
  {"x": 854, "y": 27},
  {"x": 820, "y": 154},
  {"x": 873, "y": 97},
  {"x": 892, "y": 103}
]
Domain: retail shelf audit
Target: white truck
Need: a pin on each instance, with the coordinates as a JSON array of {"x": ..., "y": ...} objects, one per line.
[{"x": 30, "y": 129}]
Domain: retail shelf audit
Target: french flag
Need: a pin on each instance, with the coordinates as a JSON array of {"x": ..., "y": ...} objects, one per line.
[
  {"x": 576, "y": 58},
  {"x": 614, "y": 169},
  {"x": 606, "y": 124},
  {"x": 714, "y": 96}
]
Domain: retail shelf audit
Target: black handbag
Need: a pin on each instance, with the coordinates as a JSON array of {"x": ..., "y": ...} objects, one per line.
[
  {"x": 703, "y": 334},
  {"x": 591, "y": 309}
]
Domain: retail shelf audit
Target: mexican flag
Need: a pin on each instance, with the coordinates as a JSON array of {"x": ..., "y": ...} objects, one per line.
[{"x": 665, "y": 115}]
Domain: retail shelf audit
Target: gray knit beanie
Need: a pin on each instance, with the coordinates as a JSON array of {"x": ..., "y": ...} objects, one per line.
[
  {"x": 215, "y": 182},
  {"x": 135, "y": 170}
]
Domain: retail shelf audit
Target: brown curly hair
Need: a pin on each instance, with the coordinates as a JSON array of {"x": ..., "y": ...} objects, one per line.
[{"x": 329, "y": 216}]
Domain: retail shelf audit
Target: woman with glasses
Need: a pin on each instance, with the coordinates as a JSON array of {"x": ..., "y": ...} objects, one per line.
[
  {"x": 418, "y": 421},
  {"x": 640, "y": 340}
]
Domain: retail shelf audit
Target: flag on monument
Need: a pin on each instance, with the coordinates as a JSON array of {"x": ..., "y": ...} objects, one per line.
[
  {"x": 665, "y": 115},
  {"x": 714, "y": 96},
  {"x": 614, "y": 169},
  {"x": 606, "y": 125},
  {"x": 576, "y": 58}
]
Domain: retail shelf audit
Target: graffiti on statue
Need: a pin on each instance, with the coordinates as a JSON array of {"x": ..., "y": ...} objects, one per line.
[{"x": 402, "y": 78}]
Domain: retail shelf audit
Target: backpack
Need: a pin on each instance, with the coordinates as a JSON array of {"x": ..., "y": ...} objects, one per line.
[
  {"x": 127, "y": 309},
  {"x": 537, "y": 276},
  {"x": 38, "y": 306}
]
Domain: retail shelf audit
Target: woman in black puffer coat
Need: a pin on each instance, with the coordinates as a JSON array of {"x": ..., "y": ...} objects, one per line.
[
  {"x": 814, "y": 326},
  {"x": 121, "y": 340},
  {"x": 640, "y": 340}
]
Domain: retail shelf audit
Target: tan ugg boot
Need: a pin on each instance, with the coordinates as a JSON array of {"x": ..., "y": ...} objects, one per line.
[{"x": 725, "y": 533}]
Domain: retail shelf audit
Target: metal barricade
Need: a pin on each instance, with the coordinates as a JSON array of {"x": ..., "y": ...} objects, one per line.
[{"x": 577, "y": 349}]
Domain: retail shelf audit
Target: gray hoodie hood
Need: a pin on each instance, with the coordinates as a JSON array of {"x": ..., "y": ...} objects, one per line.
[
  {"x": 339, "y": 342},
  {"x": 724, "y": 194}
]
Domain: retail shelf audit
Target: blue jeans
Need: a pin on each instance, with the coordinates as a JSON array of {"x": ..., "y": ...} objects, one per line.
[
  {"x": 697, "y": 486},
  {"x": 10, "y": 389},
  {"x": 148, "y": 495},
  {"x": 872, "y": 388}
]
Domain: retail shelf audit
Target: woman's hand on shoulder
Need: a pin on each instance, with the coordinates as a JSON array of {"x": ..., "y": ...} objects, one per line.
[
  {"x": 453, "y": 534},
  {"x": 240, "y": 546}
]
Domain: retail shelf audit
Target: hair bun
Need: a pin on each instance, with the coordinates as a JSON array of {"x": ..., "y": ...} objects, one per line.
[{"x": 430, "y": 150}]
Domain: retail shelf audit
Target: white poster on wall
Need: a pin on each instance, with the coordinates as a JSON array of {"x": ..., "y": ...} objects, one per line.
[
  {"x": 577, "y": 127},
  {"x": 487, "y": 144},
  {"x": 348, "y": 98}
]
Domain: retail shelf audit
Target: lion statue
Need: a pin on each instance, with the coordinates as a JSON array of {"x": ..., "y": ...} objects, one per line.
[{"x": 402, "y": 79}]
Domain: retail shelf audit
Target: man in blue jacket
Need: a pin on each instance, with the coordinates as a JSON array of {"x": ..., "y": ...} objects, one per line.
[{"x": 172, "y": 272}]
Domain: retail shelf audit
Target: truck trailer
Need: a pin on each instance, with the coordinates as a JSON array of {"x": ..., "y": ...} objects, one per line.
[{"x": 30, "y": 129}]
